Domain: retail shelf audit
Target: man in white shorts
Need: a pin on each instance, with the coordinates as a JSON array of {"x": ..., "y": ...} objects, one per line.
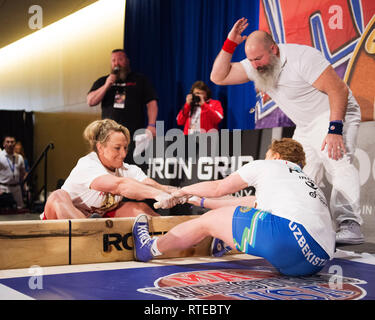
[
  {"x": 304, "y": 85},
  {"x": 288, "y": 222}
]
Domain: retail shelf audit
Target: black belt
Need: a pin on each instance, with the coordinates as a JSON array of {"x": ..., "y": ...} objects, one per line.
[{"x": 10, "y": 184}]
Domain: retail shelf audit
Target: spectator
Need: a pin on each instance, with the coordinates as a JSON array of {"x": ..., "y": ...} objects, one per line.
[
  {"x": 18, "y": 148},
  {"x": 200, "y": 113},
  {"x": 124, "y": 96},
  {"x": 12, "y": 170}
]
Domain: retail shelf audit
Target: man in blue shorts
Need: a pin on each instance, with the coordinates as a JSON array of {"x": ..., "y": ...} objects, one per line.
[{"x": 287, "y": 222}]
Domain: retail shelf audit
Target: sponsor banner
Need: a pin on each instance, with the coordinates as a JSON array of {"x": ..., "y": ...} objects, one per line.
[
  {"x": 259, "y": 281},
  {"x": 364, "y": 161},
  {"x": 252, "y": 284},
  {"x": 342, "y": 30},
  {"x": 360, "y": 73},
  {"x": 179, "y": 160}
]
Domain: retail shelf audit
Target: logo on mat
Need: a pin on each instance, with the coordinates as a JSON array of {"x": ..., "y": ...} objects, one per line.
[{"x": 257, "y": 283}]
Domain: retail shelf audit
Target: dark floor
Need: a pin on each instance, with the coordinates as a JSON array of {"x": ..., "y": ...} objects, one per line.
[
  {"x": 23, "y": 215},
  {"x": 368, "y": 247}
]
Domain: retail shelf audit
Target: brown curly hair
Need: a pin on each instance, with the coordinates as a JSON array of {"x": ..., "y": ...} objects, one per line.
[
  {"x": 201, "y": 86},
  {"x": 290, "y": 150}
]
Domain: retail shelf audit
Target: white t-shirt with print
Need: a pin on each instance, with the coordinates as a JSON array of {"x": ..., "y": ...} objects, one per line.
[
  {"x": 195, "y": 121},
  {"x": 285, "y": 191},
  {"x": 87, "y": 169},
  {"x": 301, "y": 66}
]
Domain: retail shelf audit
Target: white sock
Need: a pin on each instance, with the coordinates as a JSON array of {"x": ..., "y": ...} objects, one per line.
[{"x": 154, "y": 248}]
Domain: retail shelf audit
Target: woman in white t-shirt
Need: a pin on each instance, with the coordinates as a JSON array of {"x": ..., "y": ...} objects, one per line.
[
  {"x": 287, "y": 222},
  {"x": 100, "y": 180}
]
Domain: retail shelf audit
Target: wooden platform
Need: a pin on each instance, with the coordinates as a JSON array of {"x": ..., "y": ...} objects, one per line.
[{"x": 80, "y": 241}]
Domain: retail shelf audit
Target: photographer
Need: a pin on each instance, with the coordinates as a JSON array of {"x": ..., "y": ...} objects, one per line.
[{"x": 200, "y": 113}]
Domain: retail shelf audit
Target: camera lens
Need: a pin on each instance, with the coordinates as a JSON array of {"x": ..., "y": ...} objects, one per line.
[{"x": 195, "y": 99}]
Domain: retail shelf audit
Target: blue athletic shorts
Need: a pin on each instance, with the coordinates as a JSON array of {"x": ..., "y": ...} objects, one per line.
[{"x": 284, "y": 243}]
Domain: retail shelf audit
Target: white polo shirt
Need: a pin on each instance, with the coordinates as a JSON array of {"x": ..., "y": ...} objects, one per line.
[
  {"x": 285, "y": 191},
  {"x": 87, "y": 169},
  {"x": 12, "y": 168},
  {"x": 299, "y": 100}
]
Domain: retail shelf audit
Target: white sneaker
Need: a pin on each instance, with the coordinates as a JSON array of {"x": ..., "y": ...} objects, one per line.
[{"x": 349, "y": 233}]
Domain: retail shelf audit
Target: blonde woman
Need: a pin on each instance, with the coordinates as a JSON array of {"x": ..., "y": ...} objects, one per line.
[{"x": 101, "y": 180}]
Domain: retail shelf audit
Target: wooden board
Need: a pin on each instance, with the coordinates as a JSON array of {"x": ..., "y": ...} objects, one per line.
[
  {"x": 27, "y": 243},
  {"x": 80, "y": 241}
]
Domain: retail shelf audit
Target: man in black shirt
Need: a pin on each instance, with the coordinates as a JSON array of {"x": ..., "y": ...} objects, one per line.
[{"x": 125, "y": 95}]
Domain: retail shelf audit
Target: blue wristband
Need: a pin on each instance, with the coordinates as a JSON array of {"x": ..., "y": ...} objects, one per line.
[
  {"x": 202, "y": 202},
  {"x": 152, "y": 125},
  {"x": 335, "y": 127}
]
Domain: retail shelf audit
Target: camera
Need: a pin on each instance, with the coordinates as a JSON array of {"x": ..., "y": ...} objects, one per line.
[{"x": 195, "y": 100}]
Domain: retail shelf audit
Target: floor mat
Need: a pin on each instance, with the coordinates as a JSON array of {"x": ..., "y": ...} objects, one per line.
[{"x": 225, "y": 280}]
